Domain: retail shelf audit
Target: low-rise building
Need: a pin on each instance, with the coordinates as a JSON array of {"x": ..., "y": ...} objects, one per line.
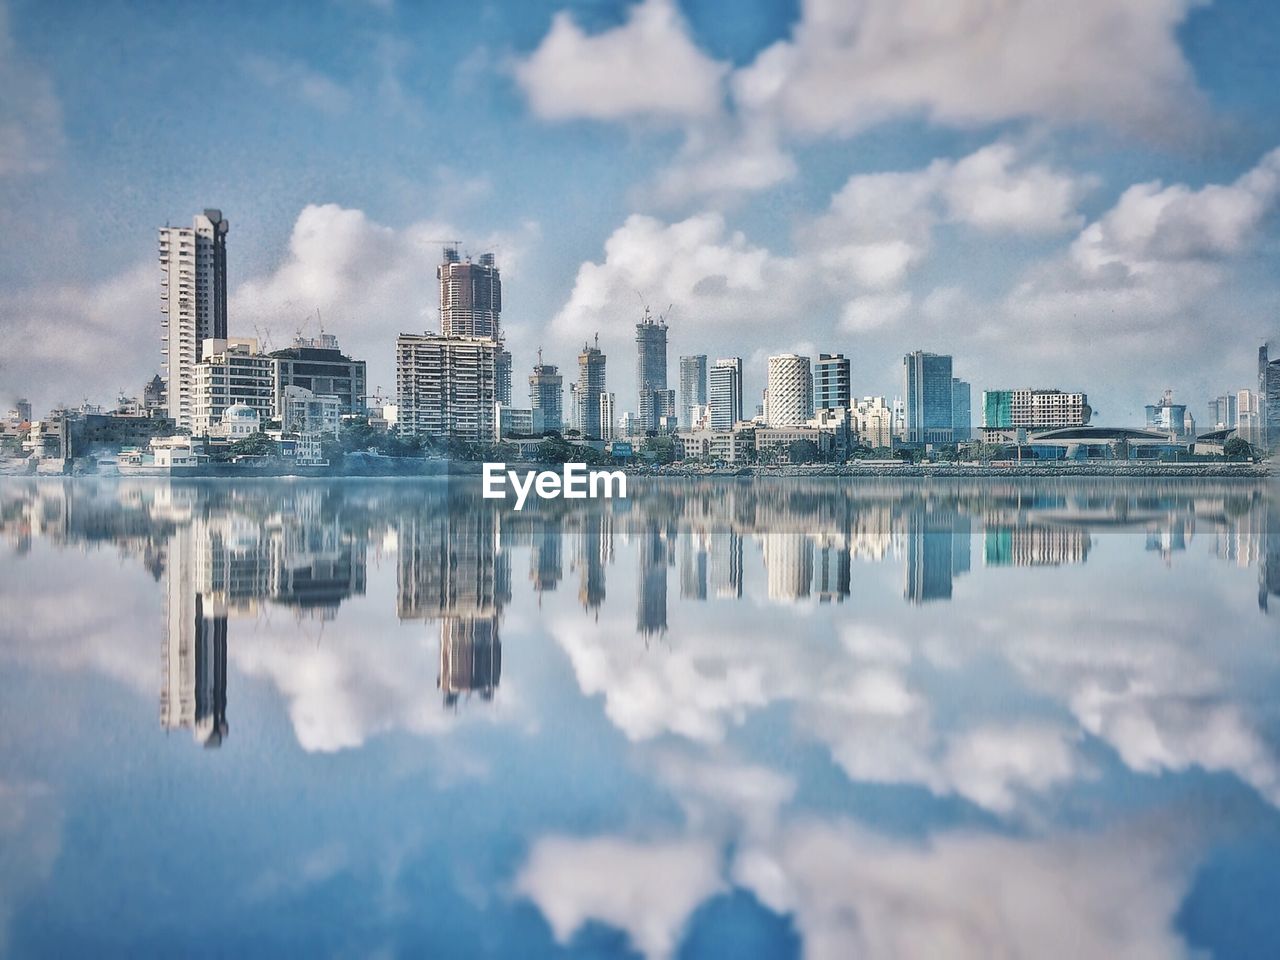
[
  {"x": 309, "y": 414},
  {"x": 774, "y": 443},
  {"x": 734, "y": 446}
]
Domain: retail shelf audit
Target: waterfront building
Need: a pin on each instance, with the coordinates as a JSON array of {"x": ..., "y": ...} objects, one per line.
[
  {"x": 693, "y": 387},
  {"x": 589, "y": 388},
  {"x": 546, "y": 397},
  {"x": 775, "y": 442},
  {"x": 1268, "y": 400},
  {"x": 1171, "y": 418},
  {"x": 872, "y": 422},
  {"x": 446, "y": 386},
  {"x": 193, "y": 298},
  {"x": 654, "y": 399},
  {"x": 470, "y": 296},
  {"x": 309, "y": 414},
  {"x": 789, "y": 397},
  {"x": 961, "y": 419},
  {"x": 1248, "y": 417},
  {"x": 319, "y": 365},
  {"x": 725, "y": 393},
  {"x": 513, "y": 421},
  {"x": 928, "y": 408},
  {"x": 1031, "y": 409},
  {"x": 231, "y": 371},
  {"x": 831, "y": 382},
  {"x": 734, "y": 446}
]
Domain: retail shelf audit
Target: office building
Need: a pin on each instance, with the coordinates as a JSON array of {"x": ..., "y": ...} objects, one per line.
[
  {"x": 928, "y": 409},
  {"x": 725, "y": 393},
  {"x": 1223, "y": 412},
  {"x": 446, "y": 386},
  {"x": 961, "y": 419},
  {"x": 470, "y": 296},
  {"x": 590, "y": 387},
  {"x": 1248, "y": 417},
  {"x": 693, "y": 387},
  {"x": 546, "y": 397},
  {"x": 193, "y": 298},
  {"x": 654, "y": 399},
  {"x": 831, "y": 382},
  {"x": 789, "y": 398},
  {"x": 231, "y": 371},
  {"x": 317, "y": 364},
  {"x": 1268, "y": 399}
]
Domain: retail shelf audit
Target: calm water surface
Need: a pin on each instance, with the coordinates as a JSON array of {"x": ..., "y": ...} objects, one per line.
[{"x": 719, "y": 719}]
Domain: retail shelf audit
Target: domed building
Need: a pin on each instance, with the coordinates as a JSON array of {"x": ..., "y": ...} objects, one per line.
[{"x": 239, "y": 421}]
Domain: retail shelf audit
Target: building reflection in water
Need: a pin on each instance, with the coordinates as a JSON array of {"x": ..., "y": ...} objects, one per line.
[{"x": 227, "y": 553}]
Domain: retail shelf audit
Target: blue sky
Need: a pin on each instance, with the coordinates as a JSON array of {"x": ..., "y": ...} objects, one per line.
[{"x": 1085, "y": 200}]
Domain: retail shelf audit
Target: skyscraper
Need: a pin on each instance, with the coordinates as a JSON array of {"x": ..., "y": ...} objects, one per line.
[
  {"x": 193, "y": 297},
  {"x": 470, "y": 296},
  {"x": 1268, "y": 399},
  {"x": 693, "y": 387},
  {"x": 726, "y": 393},
  {"x": 961, "y": 417},
  {"x": 1223, "y": 414},
  {"x": 608, "y": 417},
  {"x": 651, "y": 372},
  {"x": 546, "y": 397},
  {"x": 927, "y": 385},
  {"x": 1248, "y": 417},
  {"x": 831, "y": 382},
  {"x": 790, "y": 391},
  {"x": 590, "y": 386}
]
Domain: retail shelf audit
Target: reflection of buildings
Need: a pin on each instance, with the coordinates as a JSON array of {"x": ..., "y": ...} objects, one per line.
[
  {"x": 831, "y": 569},
  {"x": 595, "y": 549},
  {"x": 470, "y": 657},
  {"x": 546, "y": 565},
  {"x": 788, "y": 560},
  {"x": 450, "y": 564},
  {"x": 194, "y": 695},
  {"x": 937, "y": 550},
  {"x": 693, "y": 566},
  {"x": 651, "y": 604},
  {"x": 1035, "y": 546},
  {"x": 724, "y": 566}
]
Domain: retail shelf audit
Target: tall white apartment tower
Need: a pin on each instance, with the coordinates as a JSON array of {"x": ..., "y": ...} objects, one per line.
[{"x": 193, "y": 298}]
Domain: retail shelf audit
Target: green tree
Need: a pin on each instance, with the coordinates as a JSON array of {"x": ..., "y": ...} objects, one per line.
[
  {"x": 1237, "y": 448},
  {"x": 803, "y": 451}
]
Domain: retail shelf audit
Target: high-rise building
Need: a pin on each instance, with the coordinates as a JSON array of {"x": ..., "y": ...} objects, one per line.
[
  {"x": 590, "y": 387},
  {"x": 608, "y": 417},
  {"x": 831, "y": 382},
  {"x": 693, "y": 387},
  {"x": 503, "y": 388},
  {"x": 231, "y": 372},
  {"x": 470, "y": 296},
  {"x": 927, "y": 385},
  {"x": 1223, "y": 413},
  {"x": 1248, "y": 417},
  {"x": 546, "y": 397},
  {"x": 1033, "y": 409},
  {"x": 790, "y": 391},
  {"x": 726, "y": 393},
  {"x": 193, "y": 297},
  {"x": 446, "y": 386},
  {"x": 961, "y": 417},
  {"x": 872, "y": 420},
  {"x": 1268, "y": 399},
  {"x": 317, "y": 364},
  {"x": 651, "y": 372}
]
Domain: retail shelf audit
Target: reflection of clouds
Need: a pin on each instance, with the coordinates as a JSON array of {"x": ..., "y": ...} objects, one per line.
[
  {"x": 648, "y": 889},
  {"x": 966, "y": 895},
  {"x": 30, "y": 841},
  {"x": 340, "y": 691}
]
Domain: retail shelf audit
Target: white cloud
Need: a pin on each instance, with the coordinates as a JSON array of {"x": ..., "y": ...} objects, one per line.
[
  {"x": 647, "y": 67},
  {"x": 968, "y": 896},
  {"x": 648, "y": 890},
  {"x": 875, "y": 311},
  {"x": 849, "y": 66},
  {"x": 30, "y": 112}
]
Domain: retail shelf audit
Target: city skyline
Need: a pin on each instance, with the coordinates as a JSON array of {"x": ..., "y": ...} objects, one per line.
[{"x": 1118, "y": 221}]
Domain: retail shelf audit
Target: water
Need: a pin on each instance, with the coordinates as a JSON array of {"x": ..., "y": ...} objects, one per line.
[{"x": 809, "y": 717}]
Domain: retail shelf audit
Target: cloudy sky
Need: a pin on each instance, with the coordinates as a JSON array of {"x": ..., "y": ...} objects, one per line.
[{"x": 1080, "y": 195}]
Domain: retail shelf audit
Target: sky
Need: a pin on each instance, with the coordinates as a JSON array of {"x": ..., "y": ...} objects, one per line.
[{"x": 1079, "y": 196}]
